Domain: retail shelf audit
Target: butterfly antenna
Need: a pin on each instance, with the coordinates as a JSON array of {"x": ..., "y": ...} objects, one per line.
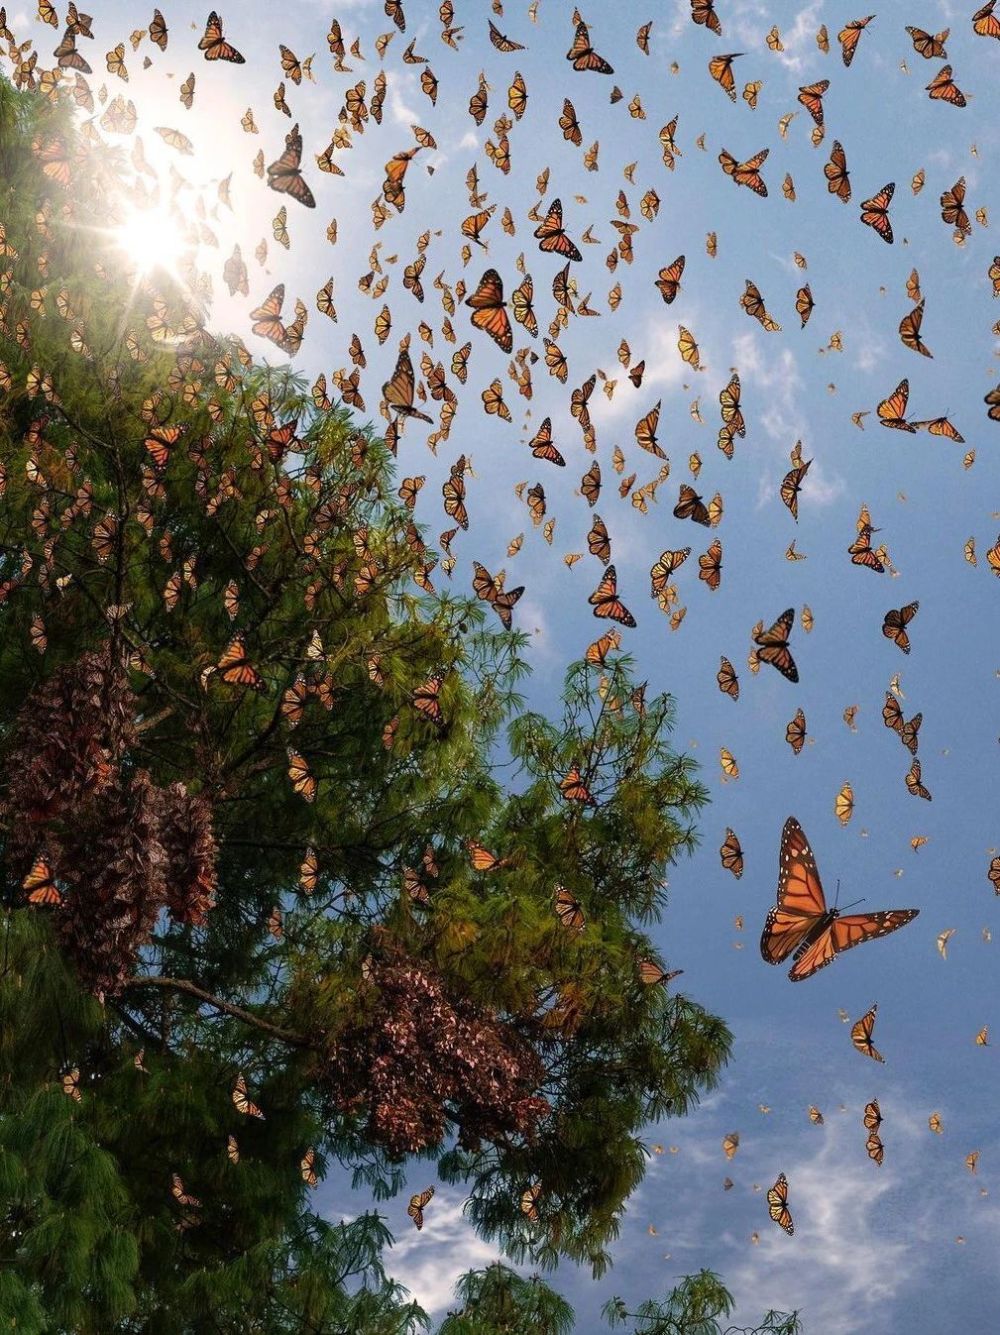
[{"x": 853, "y": 902}]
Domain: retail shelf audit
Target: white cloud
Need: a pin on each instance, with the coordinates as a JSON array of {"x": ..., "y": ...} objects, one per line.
[{"x": 428, "y": 1263}]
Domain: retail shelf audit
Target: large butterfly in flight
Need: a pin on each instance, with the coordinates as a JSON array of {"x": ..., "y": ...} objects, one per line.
[{"x": 801, "y": 925}]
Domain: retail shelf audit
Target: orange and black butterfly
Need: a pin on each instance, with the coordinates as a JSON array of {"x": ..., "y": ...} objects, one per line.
[
  {"x": 861, "y": 552},
  {"x": 669, "y": 279},
  {"x": 811, "y": 97},
  {"x": 661, "y": 570},
  {"x": 773, "y": 645},
  {"x": 862, "y": 1033},
  {"x": 850, "y": 35},
  {"x": 398, "y": 391},
  {"x": 501, "y": 42},
  {"x": 992, "y": 401},
  {"x": 283, "y": 174},
  {"x": 875, "y": 212},
  {"x": 605, "y": 600},
  {"x": 542, "y": 447},
  {"x": 574, "y": 789},
  {"x": 800, "y": 924},
  {"x": 691, "y": 506},
  {"x": 235, "y": 668},
  {"x": 267, "y": 316},
  {"x": 40, "y": 883},
  {"x": 552, "y": 237},
  {"x": 453, "y": 492},
  {"x": 984, "y": 22},
  {"x": 953, "y": 208},
  {"x": 426, "y": 699},
  {"x": 583, "y": 55},
  {"x": 795, "y": 732},
  {"x": 804, "y": 304},
  {"x": 721, "y": 70},
  {"x": 838, "y": 178},
  {"x": 731, "y": 854},
  {"x": 929, "y": 45},
  {"x": 728, "y": 682},
  {"x": 395, "y": 175},
  {"x": 417, "y": 1205},
  {"x": 303, "y": 780},
  {"x": 777, "y": 1204},
  {"x": 703, "y": 11},
  {"x": 891, "y": 411},
  {"x": 160, "y": 442},
  {"x": 914, "y": 784},
  {"x": 791, "y": 485},
  {"x": 489, "y": 310},
  {"x": 214, "y": 44},
  {"x": 488, "y": 589},
  {"x": 710, "y": 565},
  {"x": 940, "y": 426},
  {"x": 908, "y": 731},
  {"x": 569, "y": 124},
  {"x": 909, "y": 330},
  {"x": 746, "y": 173},
  {"x": 242, "y": 1101},
  {"x": 943, "y": 88},
  {"x": 895, "y": 622}
]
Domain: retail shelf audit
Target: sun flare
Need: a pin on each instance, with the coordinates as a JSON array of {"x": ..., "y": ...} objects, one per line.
[{"x": 151, "y": 240}]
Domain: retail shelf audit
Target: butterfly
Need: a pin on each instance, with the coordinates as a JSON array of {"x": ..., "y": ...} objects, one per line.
[
  {"x": 214, "y": 44},
  {"x": 583, "y": 55},
  {"x": 303, "y": 780},
  {"x": 242, "y": 1101},
  {"x": 691, "y": 506},
  {"x": 891, "y": 409},
  {"x": 777, "y": 1204},
  {"x": 746, "y": 173},
  {"x": 929, "y": 45},
  {"x": 398, "y": 391},
  {"x": 40, "y": 883},
  {"x": 953, "y": 208},
  {"x": 568, "y": 911},
  {"x": 861, "y": 1035},
  {"x": 489, "y": 310},
  {"x": 753, "y": 303},
  {"x": 811, "y": 97},
  {"x": 605, "y": 600},
  {"x": 726, "y": 677},
  {"x": 943, "y": 88},
  {"x": 850, "y": 35},
  {"x": 283, "y": 174},
  {"x": 909, "y": 330},
  {"x": 650, "y": 973},
  {"x": 489, "y": 590},
  {"x": 773, "y": 645},
  {"x": 417, "y": 1204},
  {"x": 552, "y": 237},
  {"x": 703, "y": 11},
  {"x": 795, "y": 732},
  {"x": 791, "y": 486},
  {"x": 529, "y": 1201},
  {"x": 895, "y": 622},
  {"x": 710, "y": 565},
  {"x": 875, "y": 212},
  {"x": 861, "y": 551},
  {"x": 731, "y": 854},
  {"x": 892, "y": 717},
  {"x": 542, "y": 447},
  {"x": 838, "y": 180},
  {"x": 721, "y": 70},
  {"x": 914, "y": 786},
  {"x": 267, "y": 316},
  {"x": 235, "y": 667},
  {"x": 802, "y": 926},
  {"x": 804, "y": 304},
  {"x": 669, "y": 279},
  {"x": 984, "y": 22}
]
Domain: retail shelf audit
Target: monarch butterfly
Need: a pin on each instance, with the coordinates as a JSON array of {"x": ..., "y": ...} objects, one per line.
[
  {"x": 303, "y": 781},
  {"x": 242, "y": 1101},
  {"x": 791, "y": 485},
  {"x": 730, "y": 1144},
  {"x": 426, "y": 699},
  {"x": 838, "y": 180},
  {"x": 934, "y": 1121},
  {"x": 875, "y": 1148},
  {"x": 940, "y": 426},
  {"x": 283, "y": 174},
  {"x": 398, "y": 391},
  {"x": 804, "y": 304},
  {"x": 909, "y": 330},
  {"x": 161, "y": 440},
  {"x": 801, "y": 925},
  {"x": 811, "y": 97},
  {"x": 491, "y": 591},
  {"x": 953, "y": 208},
  {"x": 777, "y": 1204},
  {"x": 569, "y": 124},
  {"x": 40, "y": 883},
  {"x": 598, "y": 541},
  {"x": 795, "y": 732},
  {"x": 753, "y": 303},
  {"x": 726, "y": 677},
  {"x": 555, "y": 361},
  {"x": 669, "y": 279},
  {"x": 710, "y": 565},
  {"x": 928, "y": 45},
  {"x": 662, "y": 569},
  {"x": 690, "y": 506},
  {"x": 521, "y": 305},
  {"x": 943, "y": 88},
  {"x": 529, "y": 1202},
  {"x": 115, "y": 60},
  {"x": 482, "y": 859},
  {"x": 688, "y": 348},
  {"x": 236, "y": 669},
  {"x": 751, "y": 92},
  {"x": 552, "y": 237},
  {"x": 597, "y": 653},
  {"x": 214, "y": 44},
  {"x": 568, "y": 911},
  {"x": 267, "y": 316},
  {"x": 721, "y": 70},
  {"x": 730, "y": 769},
  {"x": 583, "y": 55},
  {"x": 605, "y": 600},
  {"x": 862, "y": 1032},
  {"x": 542, "y": 447},
  {"x": 773, "y": 645},
  {"x": 489, "y": 311},
  {"x": 703, "y": 12},
  {"x": 53, "y": 155},
  {"x": 850, "y": 35},
  {"x": 493, "y": 402},
  {"x": 892, "y": 716},
  {"x": 731, "y": 854},
  {"x": 645, "y": 431},
  {"x": 875, "y": 212},
  {"x": 891, "y": 410},
  {"x": 460, "y": 362},
  {"x": 914, "y": 786},
  {"x": 68, "y": 57},
  {"x": 992, "y": 400},
  {"x": 746, "y": 173},
  {"x": 984, "y": 21},
  {"x": 895, "y": 622},
  {"x": 417, "y": 1205}
]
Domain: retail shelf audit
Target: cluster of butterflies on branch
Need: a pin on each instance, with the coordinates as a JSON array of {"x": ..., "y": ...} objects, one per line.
[{"x": 494, "y": 310}]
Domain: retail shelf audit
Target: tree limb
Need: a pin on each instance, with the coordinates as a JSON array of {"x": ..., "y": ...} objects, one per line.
[{"x": 226, "y": 1007}]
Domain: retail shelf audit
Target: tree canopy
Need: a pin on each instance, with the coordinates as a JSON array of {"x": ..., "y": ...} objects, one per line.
[{"x": 268, "y": 906}]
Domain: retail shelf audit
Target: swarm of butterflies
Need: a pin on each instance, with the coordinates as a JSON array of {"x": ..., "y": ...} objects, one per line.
[{"x": 498, "y": 309}]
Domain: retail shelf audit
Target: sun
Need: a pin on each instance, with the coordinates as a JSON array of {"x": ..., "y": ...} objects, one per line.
[{"x": 151, "y": 240}]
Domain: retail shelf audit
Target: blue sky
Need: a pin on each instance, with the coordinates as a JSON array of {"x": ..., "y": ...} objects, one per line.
[{"x": 873, "y": 1248}]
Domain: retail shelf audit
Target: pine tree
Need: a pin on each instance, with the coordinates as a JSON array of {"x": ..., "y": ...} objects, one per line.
[{"x": 268, "y": 905}]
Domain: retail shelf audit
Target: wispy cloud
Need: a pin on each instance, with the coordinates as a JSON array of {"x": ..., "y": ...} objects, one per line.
[{"x": 429, "y": 1263}]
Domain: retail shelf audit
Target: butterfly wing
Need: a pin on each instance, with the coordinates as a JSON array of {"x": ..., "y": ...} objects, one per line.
[
  {"x": 774, "y": 646},
  {"x": 843, "y": 934},
  {"x": 801, "y": 905},
  {"x": 489, "y": 310}
]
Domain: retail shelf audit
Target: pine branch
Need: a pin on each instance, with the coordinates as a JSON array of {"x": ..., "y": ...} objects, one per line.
[{"x": 226, "y": 1007}]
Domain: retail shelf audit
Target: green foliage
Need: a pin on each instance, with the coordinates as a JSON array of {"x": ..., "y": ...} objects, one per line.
[
  {"x": 695, "y": 1307},
  {"x": 498, "y": 1301}
]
